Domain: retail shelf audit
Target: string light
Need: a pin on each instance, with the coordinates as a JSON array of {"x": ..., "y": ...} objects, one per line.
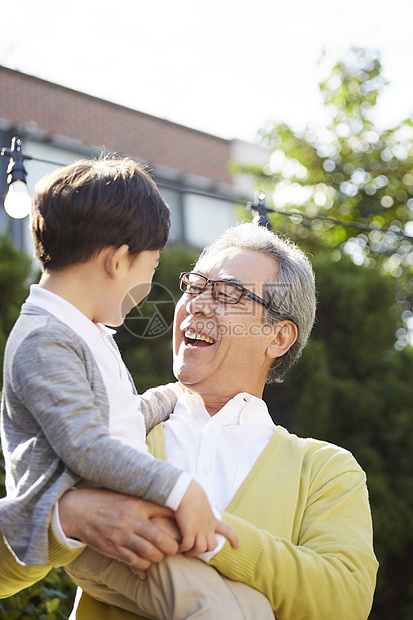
[
  {"x": 17, "y": 202},
  {"x": 20, "y": 199}
]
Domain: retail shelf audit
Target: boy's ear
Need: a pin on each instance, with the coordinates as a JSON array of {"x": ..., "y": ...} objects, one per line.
[
  {"x": 284, "y": 335},
  {"x": 114, "y": 258}
]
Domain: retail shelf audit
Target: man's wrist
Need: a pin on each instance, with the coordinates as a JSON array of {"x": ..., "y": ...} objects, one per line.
[{"x": 69, "y": 543}]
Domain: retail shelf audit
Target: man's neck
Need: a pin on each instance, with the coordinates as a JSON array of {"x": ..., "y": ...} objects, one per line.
[{"x": 214, "y": 402}]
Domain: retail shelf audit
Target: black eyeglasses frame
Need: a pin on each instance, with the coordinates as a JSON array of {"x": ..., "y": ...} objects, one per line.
[{"x": 244, "y": 291}]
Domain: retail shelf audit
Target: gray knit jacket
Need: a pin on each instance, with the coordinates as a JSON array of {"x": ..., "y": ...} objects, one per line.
[{"x": 54, "y": 431}]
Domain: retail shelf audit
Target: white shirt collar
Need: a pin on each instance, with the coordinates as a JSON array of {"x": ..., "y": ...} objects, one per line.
[
  {"x": 67, "y": 313},
  {"x": 243, "y": 408}
]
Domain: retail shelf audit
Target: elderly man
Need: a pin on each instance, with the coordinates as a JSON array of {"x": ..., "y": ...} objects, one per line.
[{"x": 299, "y": 506}]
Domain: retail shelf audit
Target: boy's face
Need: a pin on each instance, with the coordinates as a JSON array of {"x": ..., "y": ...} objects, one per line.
[{"x": 133, "y": 283}]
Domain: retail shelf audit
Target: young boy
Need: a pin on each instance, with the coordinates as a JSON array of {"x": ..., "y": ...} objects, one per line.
[{"x": 70, "y": 412}]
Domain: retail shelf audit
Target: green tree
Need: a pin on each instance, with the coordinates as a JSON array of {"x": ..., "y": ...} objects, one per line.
[{"x": 348, "y": 170}]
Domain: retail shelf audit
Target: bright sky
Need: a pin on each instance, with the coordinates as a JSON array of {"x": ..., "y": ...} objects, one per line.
[{"x": 221, "y": 66}]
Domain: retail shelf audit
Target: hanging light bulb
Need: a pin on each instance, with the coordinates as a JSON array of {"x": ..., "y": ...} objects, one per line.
[{"x": 17, "y": 201}]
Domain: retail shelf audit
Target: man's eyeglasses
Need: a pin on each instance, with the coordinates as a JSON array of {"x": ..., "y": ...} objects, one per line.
[{"x": 223, "y": 291}]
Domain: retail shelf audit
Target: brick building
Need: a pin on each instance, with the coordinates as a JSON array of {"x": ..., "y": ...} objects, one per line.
[{"x": 60, "y": 125}]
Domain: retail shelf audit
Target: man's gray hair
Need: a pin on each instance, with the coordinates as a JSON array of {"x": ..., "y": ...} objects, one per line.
[{"x": 292, "y": 292}]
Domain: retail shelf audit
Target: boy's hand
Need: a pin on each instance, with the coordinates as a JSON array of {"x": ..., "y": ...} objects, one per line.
[{"x": 198, "y": 524}]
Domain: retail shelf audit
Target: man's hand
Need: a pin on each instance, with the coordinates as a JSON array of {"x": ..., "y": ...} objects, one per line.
[
  {"x": 198, "y": 524},
  {"x": 169, "y": 525},
  {"x": 118, "y": 526}
]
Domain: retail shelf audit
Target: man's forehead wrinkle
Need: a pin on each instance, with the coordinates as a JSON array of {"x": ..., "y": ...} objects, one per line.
[
  {"x": 226, "y": 277},
  {"x": 206, "y": 272},
  {"x": 230, "y": 278}
]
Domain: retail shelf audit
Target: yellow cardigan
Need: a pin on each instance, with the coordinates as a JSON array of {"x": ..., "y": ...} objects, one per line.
[{"x": 303, "y": 519}]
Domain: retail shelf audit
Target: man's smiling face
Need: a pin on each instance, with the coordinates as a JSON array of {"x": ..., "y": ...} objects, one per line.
[{"x": 218, "y": 348}]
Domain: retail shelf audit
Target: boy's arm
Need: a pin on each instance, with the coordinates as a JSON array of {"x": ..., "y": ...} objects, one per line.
[{"x": 158, "y": 403}]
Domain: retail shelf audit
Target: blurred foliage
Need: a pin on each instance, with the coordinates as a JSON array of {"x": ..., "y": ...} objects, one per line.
[
  {"x": 348, "y": 170},
  {"x": 15, "y": 269},
  {"x": 50, "y": 599}
]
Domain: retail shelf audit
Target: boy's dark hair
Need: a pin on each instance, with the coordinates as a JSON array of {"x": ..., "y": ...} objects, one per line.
[{"x": 82, "y": 208}]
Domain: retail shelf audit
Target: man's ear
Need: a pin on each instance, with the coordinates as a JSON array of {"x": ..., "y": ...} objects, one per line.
[
  {"x": 114, "y": 258},
  {"x": 284, "y": 335}
]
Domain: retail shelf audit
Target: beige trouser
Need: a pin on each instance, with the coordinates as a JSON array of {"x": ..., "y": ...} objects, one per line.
[{"x": 178, "y": 588}]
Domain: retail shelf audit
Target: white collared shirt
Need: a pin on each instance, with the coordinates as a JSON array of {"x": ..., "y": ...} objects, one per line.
[{"x": 218, "y": 451}]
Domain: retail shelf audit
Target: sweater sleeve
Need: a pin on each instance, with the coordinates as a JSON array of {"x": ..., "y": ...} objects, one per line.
[
  {"x": 158, "y": 403},
  {"x": 15, "y": 576},
  {"x": 330, "y": 572},
  {"x": 62, "y": 401}
]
